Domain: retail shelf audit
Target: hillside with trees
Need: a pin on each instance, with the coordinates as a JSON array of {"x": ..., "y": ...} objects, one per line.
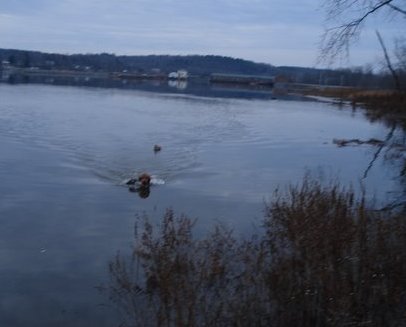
[{"x": 196, "y": 65}]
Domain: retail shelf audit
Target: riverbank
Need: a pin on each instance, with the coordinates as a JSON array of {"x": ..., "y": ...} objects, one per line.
[
  {"x": 389, "y": 100},
  {"x": 389, "y": 105}
]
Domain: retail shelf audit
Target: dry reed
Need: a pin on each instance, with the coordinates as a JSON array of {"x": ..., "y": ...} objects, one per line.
[{"x": 323, "y": 259}]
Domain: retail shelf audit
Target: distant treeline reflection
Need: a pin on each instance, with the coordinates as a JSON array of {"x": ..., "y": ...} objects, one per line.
[{"x": 196, "y": 86}]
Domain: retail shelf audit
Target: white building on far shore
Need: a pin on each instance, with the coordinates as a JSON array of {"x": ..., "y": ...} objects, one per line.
[{"x": 181, "y": 74}]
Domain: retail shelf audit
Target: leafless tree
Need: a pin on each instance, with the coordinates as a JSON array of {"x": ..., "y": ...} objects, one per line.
[
  {"x": 400, "y": 52},
  {"x": 345, "y": 20},
  {"x": 389, "y": 65},
  {"x": 400, "y": 55}
]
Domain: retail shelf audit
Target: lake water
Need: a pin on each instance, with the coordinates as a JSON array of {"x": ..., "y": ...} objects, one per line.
[{"x": 65, "y": 152}]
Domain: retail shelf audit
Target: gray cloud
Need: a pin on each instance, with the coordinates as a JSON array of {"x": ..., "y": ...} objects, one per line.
[{"x": 278, "y": 32}]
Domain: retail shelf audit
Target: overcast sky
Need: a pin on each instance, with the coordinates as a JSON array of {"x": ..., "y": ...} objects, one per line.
[{"x": 280, "y": 32}]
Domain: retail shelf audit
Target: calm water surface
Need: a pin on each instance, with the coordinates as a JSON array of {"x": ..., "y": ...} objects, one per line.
[{"x": 66, "y": 151}]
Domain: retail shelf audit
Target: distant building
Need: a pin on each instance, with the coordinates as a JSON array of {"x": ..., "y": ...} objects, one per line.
[
  {"x": 282, "y": 79},
  {"x": 281, "y": 82},
  {"x": 180, "y": 74},
  {"x": 173, "y": 75},
  {"x": 242, "y": 79}
]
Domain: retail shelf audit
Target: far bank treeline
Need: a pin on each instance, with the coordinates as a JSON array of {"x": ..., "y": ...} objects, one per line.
[{"x": 197, "y": 65}]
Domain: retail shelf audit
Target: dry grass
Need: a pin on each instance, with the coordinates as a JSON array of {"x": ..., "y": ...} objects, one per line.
[
  {"x": 323, "y": 259},
  {"x": 334, "y": 262},
  {"x": 339, "y": 92},
  {"x": 382, "y": 101},
  {"x": 386, "y": 105}
]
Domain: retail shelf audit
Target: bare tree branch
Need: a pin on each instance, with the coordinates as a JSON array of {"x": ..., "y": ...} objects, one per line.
[
  {"x": 336, "y": 40},
  {"x": 374, "y": 9},
  {"x": 400, "y": 53},
  {"x": 388, "y": 62},
  {"x": 397, "y": 9}
]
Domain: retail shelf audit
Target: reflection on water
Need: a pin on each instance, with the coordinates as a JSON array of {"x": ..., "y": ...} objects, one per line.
[
  {"x": 194, "y": 86},
  {"x": 142, "y": 191},
  {"x": 65, "y": 152},
  {"x": 179, "y": 84}
]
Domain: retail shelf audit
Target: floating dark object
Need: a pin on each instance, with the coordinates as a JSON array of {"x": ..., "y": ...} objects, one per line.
[
  {"x": 140, "y": 185},
  {"x": 144, "y": 179},
  {"x": 157, "y": 148},
  {"x": 344, "y": 142},
  {"x": 132, "y": 181}
]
